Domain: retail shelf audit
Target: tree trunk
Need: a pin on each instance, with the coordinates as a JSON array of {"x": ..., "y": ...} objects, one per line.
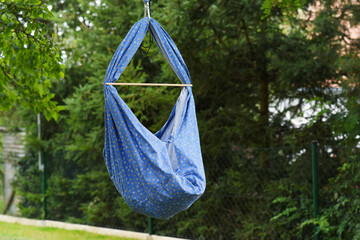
[{"x": 264, "y": 117}]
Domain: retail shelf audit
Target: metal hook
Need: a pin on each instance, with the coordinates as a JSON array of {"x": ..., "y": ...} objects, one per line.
[{"x": 147, "y": 9}]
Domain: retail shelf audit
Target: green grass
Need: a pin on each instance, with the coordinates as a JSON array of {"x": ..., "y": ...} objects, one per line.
[{"x": 9, "y": 231}]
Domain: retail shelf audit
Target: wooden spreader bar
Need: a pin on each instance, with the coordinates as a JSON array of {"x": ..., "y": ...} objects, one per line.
[{"x": 151, "y": 84}]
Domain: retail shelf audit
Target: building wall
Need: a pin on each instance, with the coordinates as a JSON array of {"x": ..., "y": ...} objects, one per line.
[{"x": 13, "y": 148}]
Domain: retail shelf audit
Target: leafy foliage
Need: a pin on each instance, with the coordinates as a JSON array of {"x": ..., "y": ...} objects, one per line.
[
  {"x": 29, "y": 60},
  {"x": 287, "y": 6}
]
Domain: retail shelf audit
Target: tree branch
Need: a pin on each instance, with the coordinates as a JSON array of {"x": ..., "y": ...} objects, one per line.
[{"x": 247, "y": 38}]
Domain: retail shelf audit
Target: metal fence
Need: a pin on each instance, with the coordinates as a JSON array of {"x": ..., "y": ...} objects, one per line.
[
  {"x": 272, "y": 193},
  {"x": 255, "y": 193},
  {"x": 249, "y": 198}
]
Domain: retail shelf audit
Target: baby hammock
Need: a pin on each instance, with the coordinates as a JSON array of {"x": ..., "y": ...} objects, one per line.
[{"x": 158, "y": 174}]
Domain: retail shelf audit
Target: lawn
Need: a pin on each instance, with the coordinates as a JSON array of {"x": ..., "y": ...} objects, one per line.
[{"x": 11, "y": 231}]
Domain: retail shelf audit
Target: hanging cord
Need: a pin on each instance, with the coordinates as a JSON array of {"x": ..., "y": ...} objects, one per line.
[{"x": 145, "y": 49}]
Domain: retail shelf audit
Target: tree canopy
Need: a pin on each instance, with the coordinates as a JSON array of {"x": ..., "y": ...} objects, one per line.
[{"x": 29, "y": 59}]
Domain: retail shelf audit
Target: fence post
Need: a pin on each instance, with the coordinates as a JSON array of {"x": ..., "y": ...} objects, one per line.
[
  {"x": 44, "y": 186},
  {"x": 41, "y": 163},
  {"x": 150, "y": 226},
  {"x": 315, "y": 176}
]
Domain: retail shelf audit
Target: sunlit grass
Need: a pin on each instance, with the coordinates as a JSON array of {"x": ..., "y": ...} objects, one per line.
[{"x": 11, "y": 231}]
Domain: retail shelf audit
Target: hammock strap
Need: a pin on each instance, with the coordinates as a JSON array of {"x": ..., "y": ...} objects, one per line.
[
  {"x": 170, "y": 51},
  {"x": 126, "y": 50},
  {"x": 132, "y": 42}
]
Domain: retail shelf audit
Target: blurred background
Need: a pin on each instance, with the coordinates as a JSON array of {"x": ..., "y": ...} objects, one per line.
[{"x": 269, "y": 78}]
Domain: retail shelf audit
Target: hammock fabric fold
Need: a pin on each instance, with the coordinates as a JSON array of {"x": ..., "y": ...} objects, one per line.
[{"x": 158, "y": 174}]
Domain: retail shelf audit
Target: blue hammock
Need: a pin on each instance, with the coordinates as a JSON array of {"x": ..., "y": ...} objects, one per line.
[{"x": 159, "y": 174}]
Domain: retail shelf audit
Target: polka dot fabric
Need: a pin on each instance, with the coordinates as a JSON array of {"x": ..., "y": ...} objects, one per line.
[{"x": 159, "y": 174}]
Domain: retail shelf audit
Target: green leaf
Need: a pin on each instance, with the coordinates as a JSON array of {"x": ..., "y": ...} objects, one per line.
[{"x": 61, "y": 74}]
